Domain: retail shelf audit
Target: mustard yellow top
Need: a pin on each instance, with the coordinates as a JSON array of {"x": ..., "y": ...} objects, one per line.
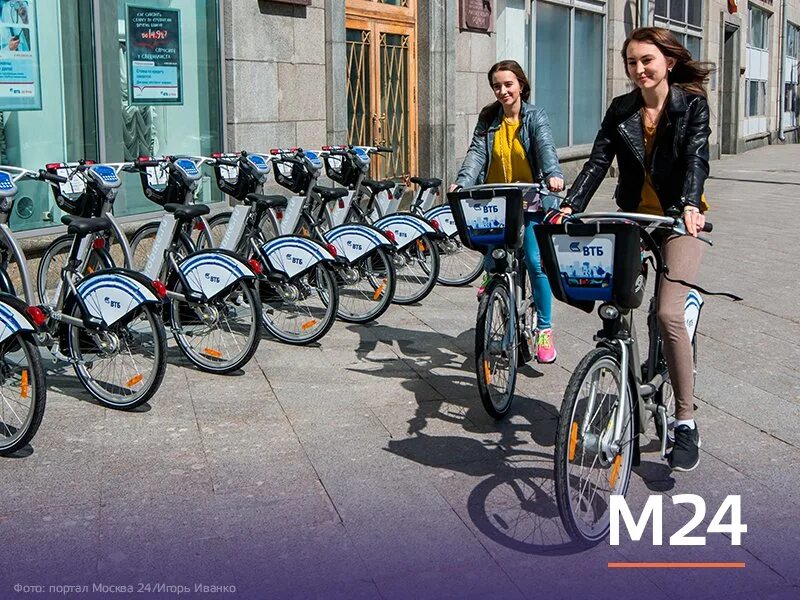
[
  {"x": 509, "y": 161},
  {"x": 649, "y": 203}
]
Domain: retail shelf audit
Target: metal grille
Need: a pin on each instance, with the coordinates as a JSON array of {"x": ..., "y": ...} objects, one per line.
[
  {"x": 394, "y": 85},
  {"x": 358, "y": 86}
]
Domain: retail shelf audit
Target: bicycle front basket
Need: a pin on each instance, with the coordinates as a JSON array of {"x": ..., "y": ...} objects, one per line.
[
  {"x": 292, "y": 175},
  {"x": 588, "y": 263},
  {"x": 73, "y": 197},
  {"x": 340, "y": 169},
  {"x": 488, "y": 217}
]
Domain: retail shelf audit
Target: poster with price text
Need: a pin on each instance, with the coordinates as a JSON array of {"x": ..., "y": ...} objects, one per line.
[
  {"x": 154, "y": 56},
  {"x": 20, "y": 87}
]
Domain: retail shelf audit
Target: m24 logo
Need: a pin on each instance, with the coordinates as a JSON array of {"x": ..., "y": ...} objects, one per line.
[
  {"x": 112, "y": 303},
  {"x": 652, "y": 514},
  {"x": 587, "y": 250}
]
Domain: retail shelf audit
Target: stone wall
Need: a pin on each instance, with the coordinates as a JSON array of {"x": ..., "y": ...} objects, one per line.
[
  {"x": 275, "y": 74},
  {"x": 475, "y": 55}
]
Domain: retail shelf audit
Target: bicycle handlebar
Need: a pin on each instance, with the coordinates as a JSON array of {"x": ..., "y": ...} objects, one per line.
[{"x": 45, "y": 176}]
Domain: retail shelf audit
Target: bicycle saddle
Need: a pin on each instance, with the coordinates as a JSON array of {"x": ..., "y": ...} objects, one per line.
[
  {"x": 85, "y": 225},
  {"x": 187, "y": 212},
  {"x": 327, "y": 193},
  {"x": 378, "y": 186},
  {"x": 426, "y": 183},
  {"x": 272, "y": 201}
]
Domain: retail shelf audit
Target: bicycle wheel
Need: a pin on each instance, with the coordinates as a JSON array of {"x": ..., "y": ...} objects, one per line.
[
  {"x": 496, "y": 354},
  {"x": 218, "y": 225},
  {"x": 589, "y": 468},
  {"x": 416, "y": 270},
  {"x": 54, "y": 259},
  {"x": 121, "y": 366},
  {"x": 22, "y": 392},
  {"x": 303, "y": 310},
  {"x": 269, "y": 226},
  {"x": 366, "y": 287},
  {"x": 458, "y": 265},
  {"x": 222, "y": 335},
  {"x": 666, "y": 396}
]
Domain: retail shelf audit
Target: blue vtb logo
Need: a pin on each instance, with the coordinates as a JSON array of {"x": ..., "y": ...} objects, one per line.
[
  {"x": 212, "y": 278},
  {"x": 112, "y": 303},
  {"x": 354, "y": 245},
  {"x": 402, "y": 234}
]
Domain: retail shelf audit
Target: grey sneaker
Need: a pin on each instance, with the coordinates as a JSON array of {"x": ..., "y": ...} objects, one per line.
[{"x": 685, "y": 454}]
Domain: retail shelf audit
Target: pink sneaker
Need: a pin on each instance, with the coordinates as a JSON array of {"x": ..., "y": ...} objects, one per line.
[
  {"x": 484, "y": 282},
  {"x": 545, "y": 348}
]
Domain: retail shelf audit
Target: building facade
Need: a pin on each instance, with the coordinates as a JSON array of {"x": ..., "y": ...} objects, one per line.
[{"x": 257, "y": 74}]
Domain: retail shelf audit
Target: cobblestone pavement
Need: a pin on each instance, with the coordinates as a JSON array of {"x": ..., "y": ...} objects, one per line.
[{"x": 367, "y": 468}]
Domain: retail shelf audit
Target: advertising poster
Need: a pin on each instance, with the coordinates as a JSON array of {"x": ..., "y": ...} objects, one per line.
[
  {"x": 154, "y": 56},
  {"x": 19, "y": 56}
]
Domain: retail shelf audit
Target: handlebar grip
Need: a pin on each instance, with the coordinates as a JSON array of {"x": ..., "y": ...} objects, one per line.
[
  {"x": 708, "y": 227},
  {"x": 227, "y": 163},
  {"x": 384, "y": 149},
  {"x": 45, "y": 176}
]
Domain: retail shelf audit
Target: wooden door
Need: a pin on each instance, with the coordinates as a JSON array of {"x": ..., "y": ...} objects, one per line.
[{"x": 381, "y": 87}]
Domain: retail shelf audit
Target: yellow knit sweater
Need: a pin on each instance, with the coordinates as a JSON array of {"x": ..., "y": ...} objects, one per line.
[{"x": 509, "y": 161}]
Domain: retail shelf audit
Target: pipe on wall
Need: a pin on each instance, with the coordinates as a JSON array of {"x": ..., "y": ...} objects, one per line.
[
  {"x": 644, "y": 13},
  {"x": 782, "y": 73}
]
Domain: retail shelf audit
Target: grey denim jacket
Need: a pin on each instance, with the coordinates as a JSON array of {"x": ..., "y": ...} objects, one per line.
[{"x": 534, "y": 135}]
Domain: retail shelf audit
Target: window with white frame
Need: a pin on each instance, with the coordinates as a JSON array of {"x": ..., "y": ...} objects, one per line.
[
  {"x": 791, "y": 107},
  {"x": 569, "y": 69},
  {"x": 757, "y": 71},
  {"x": 685, "y": 19}
]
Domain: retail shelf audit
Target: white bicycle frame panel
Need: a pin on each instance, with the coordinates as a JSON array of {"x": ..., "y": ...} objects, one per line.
[
  {"x": 164, "y": 235},
  {"x": 291, "y": 215},
  {"x": 354, "y": 241},
  {"x": 293, "y": 254},
  {"x": 11, "y": 321},
  {"x": 406, "y": 227},
  {"x": 235, "y": 228},
  {"x": 111, "y": 296},
  {"x": 337, "y": 211}
]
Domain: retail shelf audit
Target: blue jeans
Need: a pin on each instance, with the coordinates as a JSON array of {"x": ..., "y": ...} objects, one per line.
[{"x": 540, "y": 286}]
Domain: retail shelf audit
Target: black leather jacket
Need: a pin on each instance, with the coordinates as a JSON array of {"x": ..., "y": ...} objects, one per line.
[{"x": 678, "y": 163}]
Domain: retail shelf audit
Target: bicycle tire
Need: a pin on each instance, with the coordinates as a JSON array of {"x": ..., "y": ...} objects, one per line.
[
  {"x": 34, "y": 376},
  {"x": 211, "y": 359},
  {"x": 78, "y": 341},
  {"x": 567, "y": 442},
  {"x": 425, "y": 252},
  {"x": 456, "y": 257},
  {"x": 139, "y": 259},
  {"x": 379, "y": 277},
  {"x": 496, "y": 290}
]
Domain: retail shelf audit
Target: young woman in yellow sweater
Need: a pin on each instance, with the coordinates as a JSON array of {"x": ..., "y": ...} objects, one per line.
[{"x": 512, "y": 143}]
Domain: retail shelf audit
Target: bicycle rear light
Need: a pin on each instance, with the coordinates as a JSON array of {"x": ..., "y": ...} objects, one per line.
[
  {"x": 390, "y": 234},
  {"x": 160, "y": 288},
  {"x": 98, "y": 243},
  {"x": 255, "y": 266},
  {"x": 332, "y": 249},
  {"x": 37, "y": 315}
]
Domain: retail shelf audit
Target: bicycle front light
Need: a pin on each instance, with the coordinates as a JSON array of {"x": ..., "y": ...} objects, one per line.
[
  {"x": 608, "y": 312},
  {"x": 498, "y": 253}
]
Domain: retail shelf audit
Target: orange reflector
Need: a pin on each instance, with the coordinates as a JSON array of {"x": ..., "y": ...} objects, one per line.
[
  {"x": 573, "y": 440},
  {"x": 23, "y": 386},
  {"x": 89, "y": 270},
  {"x": 421, "y": 246},
  {"x": 212, "y": 353},
  {"x": 134, "y": 380},
  {"x": 308, "y": 324},
  {"x": 379, "y": 291},
  {"x": 304, "y": 231},
  {"x": 487, "y": 372},
  {"x": 615, "y": 470}
]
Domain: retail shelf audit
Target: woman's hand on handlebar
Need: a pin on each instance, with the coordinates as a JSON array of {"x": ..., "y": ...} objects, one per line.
[
  {"x": 694, "y": 220},
  {"x": 453, "y": 187},
  {"x": 555, "y": 184}
]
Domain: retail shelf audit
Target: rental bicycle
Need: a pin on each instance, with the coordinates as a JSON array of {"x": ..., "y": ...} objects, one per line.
[
  {"x": 490, "y": 218},
  {"x": 610, "y": 398},
  {"x": 105, "y": 324}
]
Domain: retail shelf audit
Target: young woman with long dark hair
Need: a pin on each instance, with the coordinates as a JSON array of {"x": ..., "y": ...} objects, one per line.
[
  {"x": 513, "y": 143},
  {"x": 659, "y": 135}
]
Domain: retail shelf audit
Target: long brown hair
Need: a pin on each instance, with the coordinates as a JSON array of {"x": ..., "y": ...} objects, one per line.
[
  {"x": 689, "y": 74},
  {"x": 489, "y": 112}
]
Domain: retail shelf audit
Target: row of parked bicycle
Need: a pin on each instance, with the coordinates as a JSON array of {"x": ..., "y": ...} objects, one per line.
[{"x": 289, "y": 265}]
